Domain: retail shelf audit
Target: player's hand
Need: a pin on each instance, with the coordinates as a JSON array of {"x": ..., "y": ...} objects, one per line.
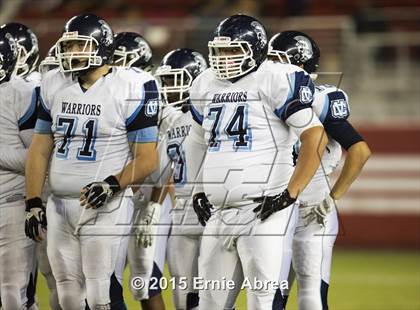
[
  {"x": 96, "y": 194},
  {"x": 148, "y": 218},
  {"x": 36, "y": 219},
  {"x": 202, "y": 207},
  {"x": 318, "y": 213},
  {"x": 272, "y": 204}
]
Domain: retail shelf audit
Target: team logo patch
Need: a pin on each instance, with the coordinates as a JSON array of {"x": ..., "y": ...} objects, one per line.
[
  {"x": 305, "y": 94},
  {"x": 152, "y": 107},
  {"x": 339, "y": 108}
]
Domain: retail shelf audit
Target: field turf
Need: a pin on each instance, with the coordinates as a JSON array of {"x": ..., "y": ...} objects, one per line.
[{"x": 379, "y": 280}]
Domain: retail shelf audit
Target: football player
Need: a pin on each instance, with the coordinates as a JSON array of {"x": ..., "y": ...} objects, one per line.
[
  {"x": 147, "y": 245},
  {"x": 248, "y": 114},
  {"x": 132, "y": 50},
  {"x": 28, "y": 55},
  {"x": 318, "y": 223},
  {"x": 176, "y": 73},
  {"x": 17, "y": 120},
  {"x": 96, "y": 131}
]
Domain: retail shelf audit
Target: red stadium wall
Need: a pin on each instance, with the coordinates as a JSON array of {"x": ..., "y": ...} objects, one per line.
[{"x": 382, "y": 210}]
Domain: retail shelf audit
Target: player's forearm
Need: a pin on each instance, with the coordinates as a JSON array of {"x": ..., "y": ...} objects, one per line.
[
  {"x": 37, "y": 165},
  {"x": 313, "y": 142},
  {"x": 356, "y": 158},
  {"x": 13, "y": 159},
  {"x": 138, "y": 169},
  {"x": 160, "y": 191}
]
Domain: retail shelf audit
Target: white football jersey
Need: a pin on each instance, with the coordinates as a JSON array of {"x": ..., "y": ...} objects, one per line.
[
  {"x": 92, "y": 128},
  {"x": 34, "y": 76},
  {"x": 248, "y": 135},
  {"x": 17, "y": 114},
  {"x": 330, "y": 105},
  {"x": 175, "y": 128}
]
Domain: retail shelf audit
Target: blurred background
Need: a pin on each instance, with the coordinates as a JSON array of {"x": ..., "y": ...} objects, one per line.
[{"x": 368, "y": 48}]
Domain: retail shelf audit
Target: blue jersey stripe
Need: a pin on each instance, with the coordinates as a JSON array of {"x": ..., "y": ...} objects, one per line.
[
  {"x": 149, "y": 134},
  {"x": 43, "y": 127},
  {"x": 196, "y": 115},
  {"x": 31, "y": 109}
]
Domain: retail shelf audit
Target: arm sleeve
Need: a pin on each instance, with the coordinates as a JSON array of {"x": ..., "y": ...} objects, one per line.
[
  {"x": 335, "y": 115},
  {"x": 295, "y": 94},
  {"x": 44, "y": 120},
  {"x": 141, "y": 121},
  {"x": 343, "y": 132},
  {"x": 28, "y": 119},
  {"x": 13, "y": 159},
  {"x": 302, "y": 120}
]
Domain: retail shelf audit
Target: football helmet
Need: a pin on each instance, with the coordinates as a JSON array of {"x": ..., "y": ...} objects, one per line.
[
  {"x": 49, "y": 62},
  {"x": 8, "y": 55},
  {"x": 27, "y": 43},
  {"x": 238, "y": 47},
  {"x": 296, "y": 48},
  {"x": 176, "y": 73},
  {"x": 132, "y": 50},
  {"x": 87, "y": 42}
]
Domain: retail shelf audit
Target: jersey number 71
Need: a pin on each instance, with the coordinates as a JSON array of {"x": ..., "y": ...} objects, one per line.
[{"x": 67, "y": 126}]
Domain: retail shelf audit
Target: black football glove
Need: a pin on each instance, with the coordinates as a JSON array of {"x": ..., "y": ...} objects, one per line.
[
  {"x": 36, "y": 219},
  {"x": 96, "y": 194},
  {"x": 202, "y": 207},
  {"x": 272, "y": 204}
]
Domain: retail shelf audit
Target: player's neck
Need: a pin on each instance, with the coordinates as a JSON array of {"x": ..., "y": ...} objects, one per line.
[{"x": 92, "y": 76}]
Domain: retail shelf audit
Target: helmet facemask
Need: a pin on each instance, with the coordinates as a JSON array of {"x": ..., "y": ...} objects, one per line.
[
  {"x": 22, "y": 66},
  {"x": 279, "y": 56},
  {"x": 124, "y": 59},
  {"x": 49, "y": 63},
  {"x": 82, "y": 59},
  {"x": 227, "y": 66},
  {"x": 174, "y": 85}
]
